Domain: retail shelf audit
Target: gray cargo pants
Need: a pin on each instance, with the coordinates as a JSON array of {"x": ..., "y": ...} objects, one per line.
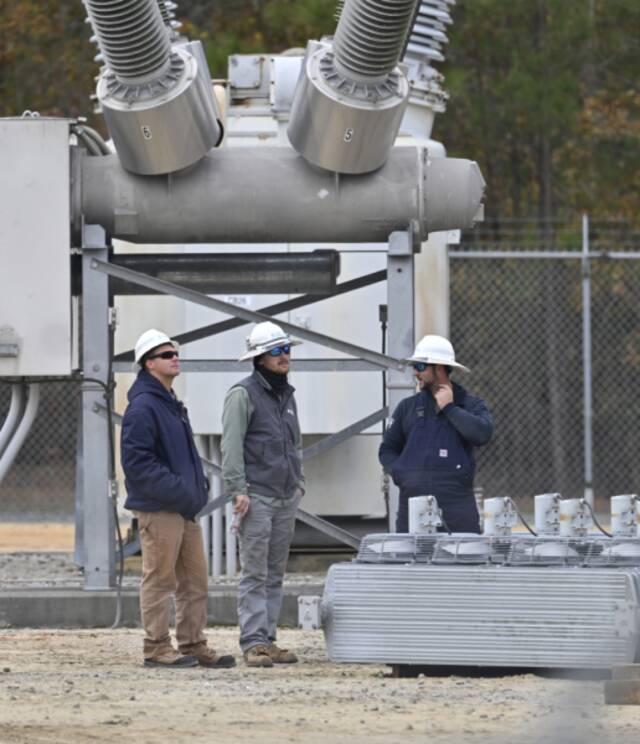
[{"x": 265, "y": 536}]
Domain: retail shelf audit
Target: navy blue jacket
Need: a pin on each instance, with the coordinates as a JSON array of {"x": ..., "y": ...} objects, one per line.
[
  {"x": 427, "y": 451},
  {"x": 159, "y": 457}
]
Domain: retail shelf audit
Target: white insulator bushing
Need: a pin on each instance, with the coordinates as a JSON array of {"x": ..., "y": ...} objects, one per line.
[
  {"x": 624, "y": 515},
  {"x": 547, "y": 513},
  {"x": 499, "y": 516},
  {"x": 168, "y": 131},
  {"x": 425, "y": 515},
  {"x": 575, "y": 518},
  {"x": 371, "y": 35},
  {"x": 132, "y": 38},
  {"x": 335, "y": 129}
]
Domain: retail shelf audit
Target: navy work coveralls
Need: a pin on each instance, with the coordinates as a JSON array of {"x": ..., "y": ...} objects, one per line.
[{"x": 427, "y": 451}]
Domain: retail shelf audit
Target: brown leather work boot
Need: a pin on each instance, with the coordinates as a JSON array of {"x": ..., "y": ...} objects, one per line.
[
  {"x": 209, "y": 658},
  {"x": 258, "y": 656},
  {"x": 167, "y": 657},
  {"x": 281, "y": 655}
]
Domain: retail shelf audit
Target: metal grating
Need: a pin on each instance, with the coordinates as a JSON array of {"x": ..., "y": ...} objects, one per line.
[{"x": 481, "y": 615}]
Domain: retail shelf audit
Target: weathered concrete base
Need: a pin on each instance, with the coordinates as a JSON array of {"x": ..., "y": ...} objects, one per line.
[
  {"x": 624, "y": 687},
  {"x": 76, "y": 608},
  {"x": 622, "y": 692}
]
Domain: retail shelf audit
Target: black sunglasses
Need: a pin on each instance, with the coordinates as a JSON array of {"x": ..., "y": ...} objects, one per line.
[
  {"x": 164, "y": 355},
  {"x": 420, "y": 366},
  {"x": 278, "y": 350}
]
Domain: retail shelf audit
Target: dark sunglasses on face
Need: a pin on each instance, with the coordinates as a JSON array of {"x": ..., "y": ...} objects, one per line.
[
  {"x": 278, "y": 350},
  {"x": 165, "y": 355},
  {"x": 419, "y": 366}
]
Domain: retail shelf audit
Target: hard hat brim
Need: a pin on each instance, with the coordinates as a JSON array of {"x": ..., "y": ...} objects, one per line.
[{"x": 266, "y": 347}]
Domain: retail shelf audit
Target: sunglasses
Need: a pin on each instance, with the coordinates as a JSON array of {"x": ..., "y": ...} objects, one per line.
[
  {"x": 165, "y": 355},
  {"x": 278, "y": 350},
  {"x": 419, "y": 366}
]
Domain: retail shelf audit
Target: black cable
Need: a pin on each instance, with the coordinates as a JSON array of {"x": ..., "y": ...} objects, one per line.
[
  {"x": 112, "y": 479},
  {"x": 595, "y": 521},
  {"x": 522, "y": 519}
]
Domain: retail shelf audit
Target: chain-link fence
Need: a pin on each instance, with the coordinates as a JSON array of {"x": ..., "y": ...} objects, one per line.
[
  {"x": 517, "y": 320},
  {"x": 41, "y": 482}
]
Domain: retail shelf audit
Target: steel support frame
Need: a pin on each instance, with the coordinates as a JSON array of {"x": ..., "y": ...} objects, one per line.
[
  {"x": 97, "y": 507},
  {"x": 400, "y": 330},
  {"x": 100, "y": 553},
  {"x": 383, "y": 361},
  {"x": 279, "y": 307},
  {"x": 233, "y": 365}
]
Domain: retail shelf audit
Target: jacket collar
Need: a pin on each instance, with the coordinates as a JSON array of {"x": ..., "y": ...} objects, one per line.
[
  {"x": 265, "y": 384},
  {"x": 146, "y": 383}
]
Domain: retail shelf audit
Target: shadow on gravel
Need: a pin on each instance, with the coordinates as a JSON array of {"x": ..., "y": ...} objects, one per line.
[{"x": 414, "y": 670}]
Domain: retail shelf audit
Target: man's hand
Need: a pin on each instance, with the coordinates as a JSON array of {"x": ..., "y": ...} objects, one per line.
[
  {"x": 241, "y": 505},
  {"x": 443, "y": 395}
]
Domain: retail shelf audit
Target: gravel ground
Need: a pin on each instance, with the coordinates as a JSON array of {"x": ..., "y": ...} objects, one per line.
[
  {"x": 56, "y": 569},
  {"x": 89, "y": 686}
]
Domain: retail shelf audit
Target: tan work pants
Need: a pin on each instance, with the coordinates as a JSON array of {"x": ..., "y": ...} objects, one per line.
[{"x": 173, "y": 562}]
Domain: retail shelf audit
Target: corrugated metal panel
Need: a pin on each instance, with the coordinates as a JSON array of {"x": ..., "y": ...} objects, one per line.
[{"x": 481, "y": 615}]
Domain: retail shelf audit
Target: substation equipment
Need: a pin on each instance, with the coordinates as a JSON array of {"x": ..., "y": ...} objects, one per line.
[
  {"x": 563, "y": 596},
  {"x": 66, "y": 199}
]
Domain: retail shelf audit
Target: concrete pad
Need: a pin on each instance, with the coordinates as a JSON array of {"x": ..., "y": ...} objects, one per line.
[
  {"x": 626, "y": 671},
  {"x": 622, "y": 692},
  {"x": 64, "y": 607}
]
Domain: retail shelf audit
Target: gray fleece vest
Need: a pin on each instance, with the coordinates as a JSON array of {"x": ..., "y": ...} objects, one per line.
[{"x": 272, "y": 464}]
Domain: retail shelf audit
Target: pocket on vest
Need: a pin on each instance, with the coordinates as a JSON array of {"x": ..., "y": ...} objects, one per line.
[{"x": 273, "y": 450}]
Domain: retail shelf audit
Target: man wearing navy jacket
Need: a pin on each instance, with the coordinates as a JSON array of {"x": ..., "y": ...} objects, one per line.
[
  {"x": 428, "y": 446},
  {"x": 166, "y": 489}
]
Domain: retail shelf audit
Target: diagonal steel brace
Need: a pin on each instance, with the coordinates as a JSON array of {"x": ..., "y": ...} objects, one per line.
[{"x": 381, "y": 360}]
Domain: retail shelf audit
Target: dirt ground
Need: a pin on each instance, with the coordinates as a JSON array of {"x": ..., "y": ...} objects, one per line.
[
  {"x": 72, "y": 687},
  {"x": 36, "y": 536},
  {"x": 90, "y": 686}
]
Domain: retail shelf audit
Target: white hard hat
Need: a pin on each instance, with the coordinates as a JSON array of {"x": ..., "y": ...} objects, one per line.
[
  {"x": 265, "y": 336},
  {"x": 436, "y": 350},
  {"x": 149, "y": 340}
]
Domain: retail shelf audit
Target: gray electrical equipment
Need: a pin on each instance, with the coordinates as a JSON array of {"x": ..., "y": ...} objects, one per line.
[
  {"x": 461, "y": 600},
  {"x": 214, "y": 273},
  {"x": 166, "y": 184},
  {"x": 425, "y": 45},
  {"x": 35, "y": 304},
  {"x": 352, "y": 94},
  {"x": 308, "y": 206},
  {"x": 156, "y": 99}
]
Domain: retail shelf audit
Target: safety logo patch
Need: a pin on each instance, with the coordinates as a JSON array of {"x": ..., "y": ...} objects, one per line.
[{"x": 444, "y": 453}]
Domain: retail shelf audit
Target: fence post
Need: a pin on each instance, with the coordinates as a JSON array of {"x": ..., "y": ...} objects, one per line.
[{"x": 586, "y": 363}]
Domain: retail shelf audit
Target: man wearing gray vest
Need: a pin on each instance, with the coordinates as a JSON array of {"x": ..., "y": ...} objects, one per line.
[{"x": 262, "y": 472}]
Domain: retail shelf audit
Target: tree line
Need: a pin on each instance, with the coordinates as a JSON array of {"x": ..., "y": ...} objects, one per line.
[{"x": 542, "y": 93}]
